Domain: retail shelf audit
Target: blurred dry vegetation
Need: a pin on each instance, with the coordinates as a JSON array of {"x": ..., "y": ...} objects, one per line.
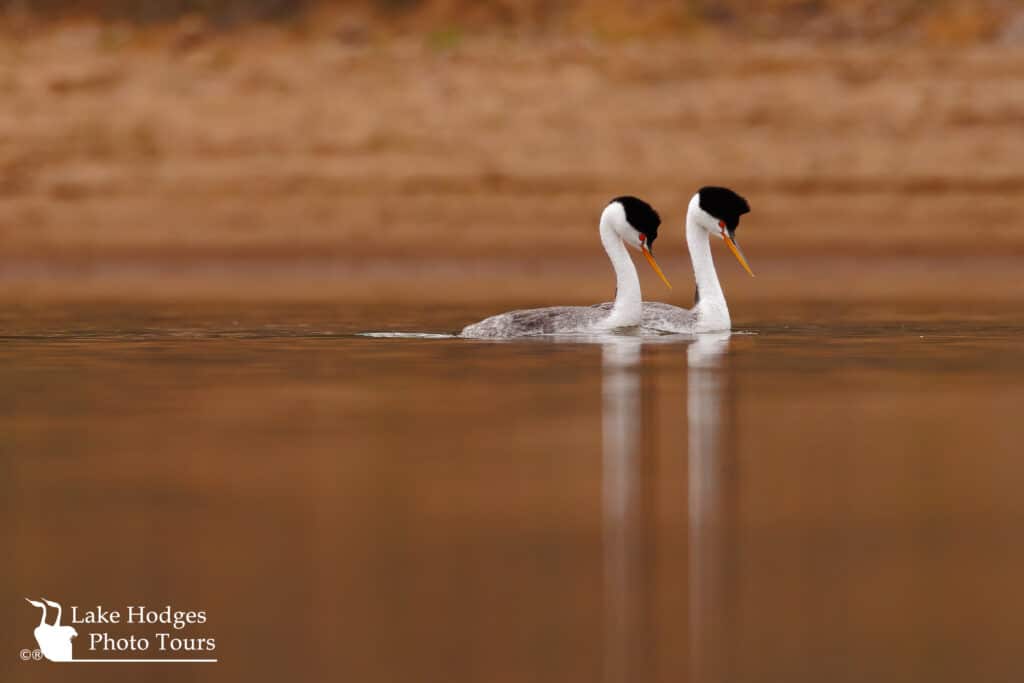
[
  {"x": 448, "y": 150},
  {"x": 920, "y": 20}
]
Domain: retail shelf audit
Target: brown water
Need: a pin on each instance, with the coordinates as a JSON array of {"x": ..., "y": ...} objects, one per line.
[{"x": 829, "y": 502}]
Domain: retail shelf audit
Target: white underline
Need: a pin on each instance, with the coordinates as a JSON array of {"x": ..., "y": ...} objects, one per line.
[{"x": 151, "y": 661}]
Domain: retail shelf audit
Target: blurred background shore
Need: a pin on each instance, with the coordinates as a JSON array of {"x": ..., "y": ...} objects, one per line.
[{"x": 456, "y": 152}]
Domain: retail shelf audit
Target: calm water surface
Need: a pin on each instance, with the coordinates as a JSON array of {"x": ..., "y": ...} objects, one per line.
[{"x": 828, "y": 502}]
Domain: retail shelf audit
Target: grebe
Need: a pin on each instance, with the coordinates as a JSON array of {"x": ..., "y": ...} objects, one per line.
[
  {"x": 625, "y": 221},
  {"x": 712, "y": 211}
]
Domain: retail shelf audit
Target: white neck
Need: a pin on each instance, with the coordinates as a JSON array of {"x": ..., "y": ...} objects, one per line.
[
  {"x": 626, "y": 311},
  {"x": 712, "y": 311}
]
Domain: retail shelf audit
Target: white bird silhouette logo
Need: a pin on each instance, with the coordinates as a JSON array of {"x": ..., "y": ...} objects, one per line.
[{"x": 54, "y": 640}]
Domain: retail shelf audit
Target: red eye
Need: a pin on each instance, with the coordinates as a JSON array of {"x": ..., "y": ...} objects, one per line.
[
  {"x": 642, "y": 237},
  {"x": 721, "y": 224}
]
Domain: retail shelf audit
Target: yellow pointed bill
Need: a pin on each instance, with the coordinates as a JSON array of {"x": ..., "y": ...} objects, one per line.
[
  {"x": 735, "y": 249},
  {"x": 654, "y": 264}
]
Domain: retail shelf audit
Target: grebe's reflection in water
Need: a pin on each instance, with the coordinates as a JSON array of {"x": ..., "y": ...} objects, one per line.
[
  {"x": 707, "y": 464},
  {"x": 623, "y": 503},
  {"x": 627, "y": 492}
]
